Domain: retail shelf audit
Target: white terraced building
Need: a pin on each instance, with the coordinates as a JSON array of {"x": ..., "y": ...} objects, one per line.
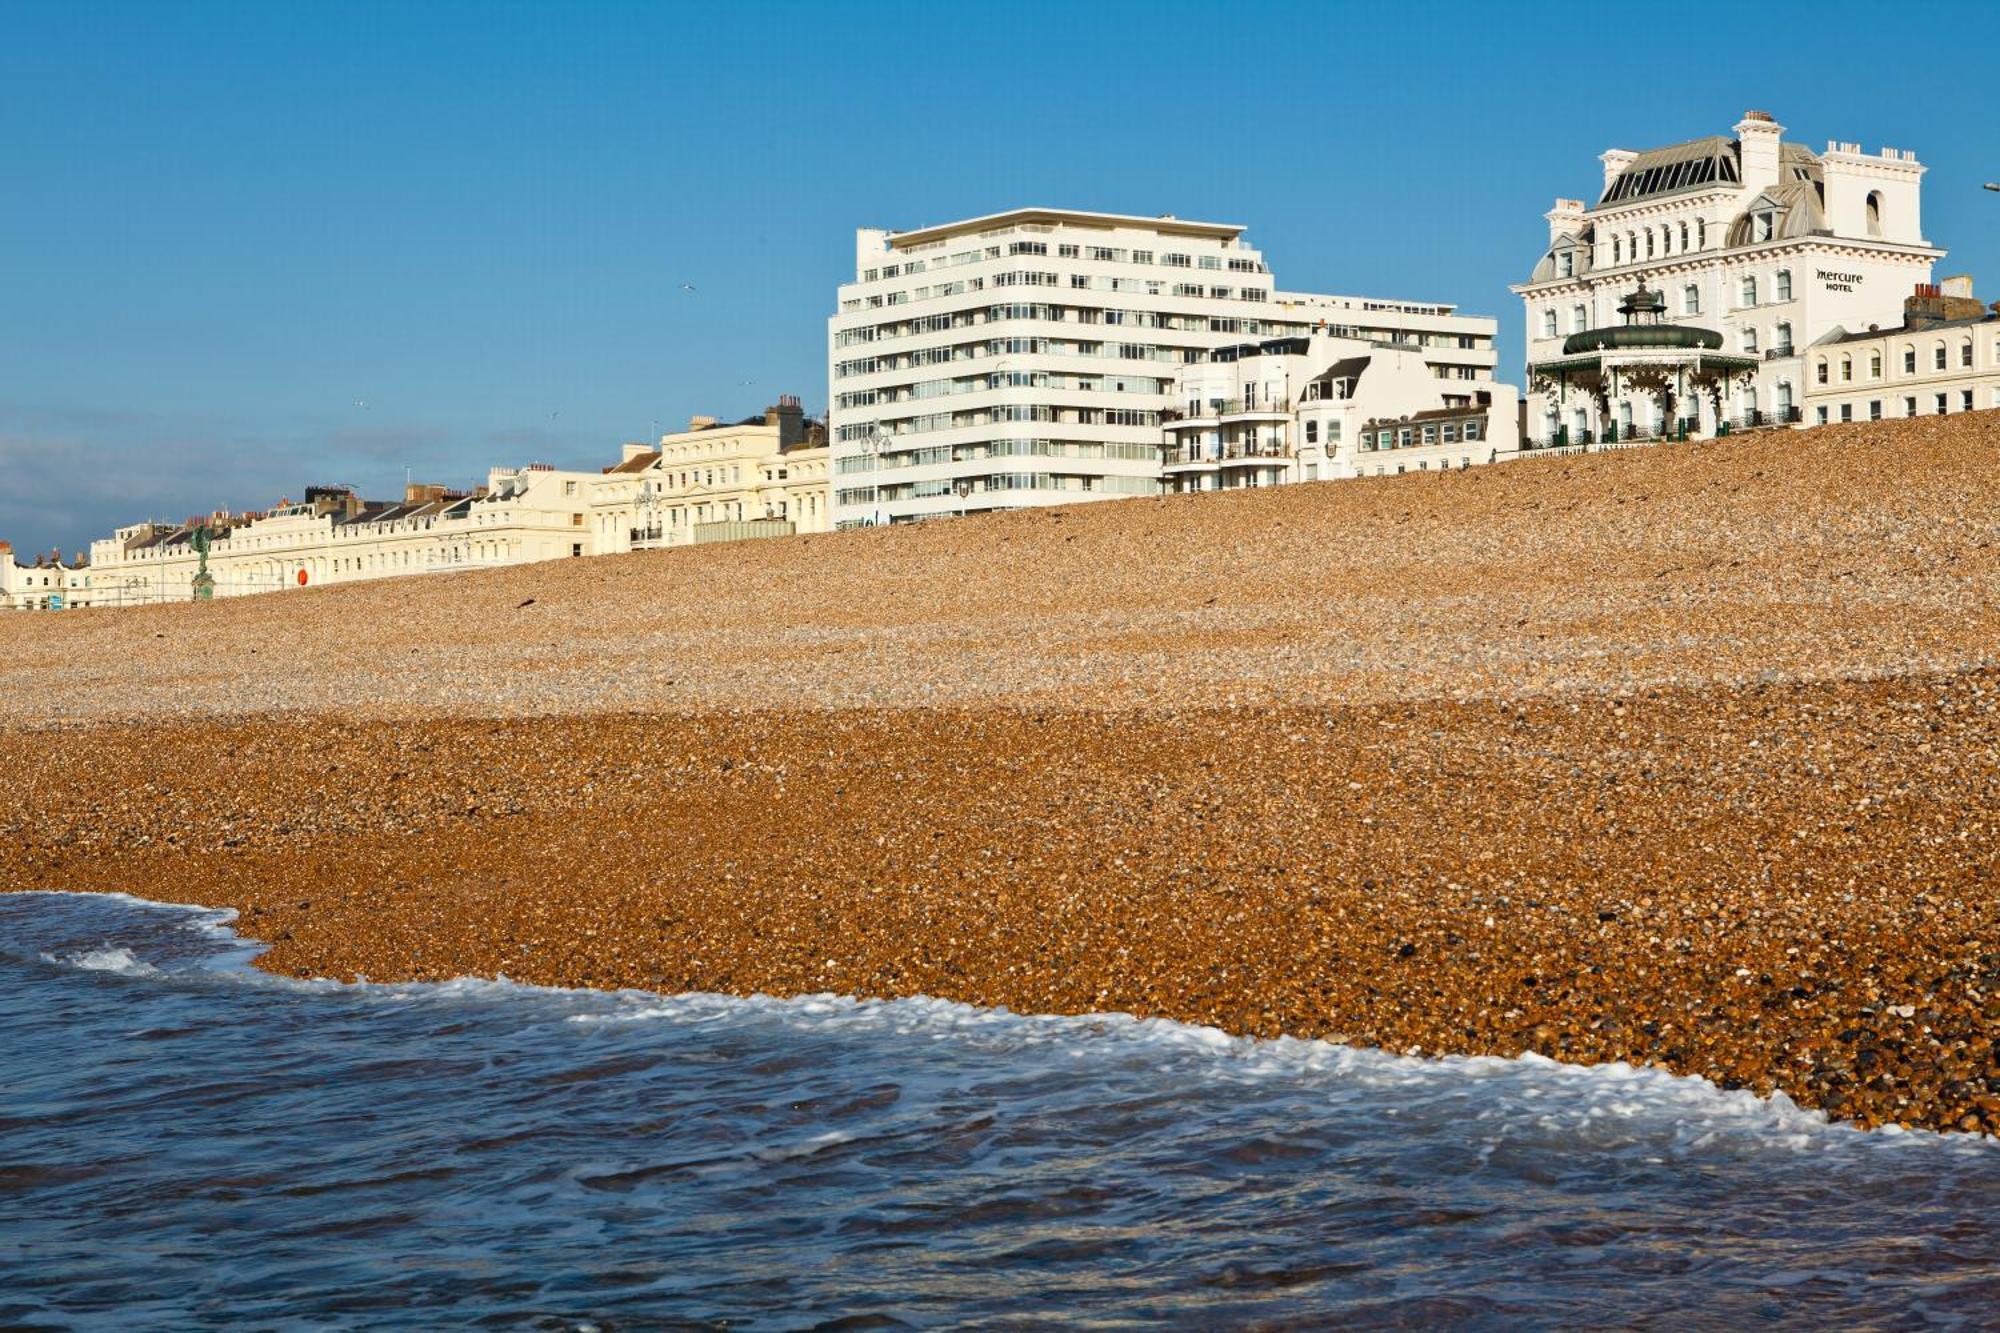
[
  {"x": 1030, "y": 357},
  {"x": 1773, "y": 245}
]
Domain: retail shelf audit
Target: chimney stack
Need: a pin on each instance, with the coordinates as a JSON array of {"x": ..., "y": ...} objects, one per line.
[
  {"x": 1757, "y": 141},
  {"x": 790, "y": 419}
]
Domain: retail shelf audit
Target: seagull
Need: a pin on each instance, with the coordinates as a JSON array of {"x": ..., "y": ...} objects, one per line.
[
  {"x": 687, "y": 286},
  {"x": 358, "y": 403}
]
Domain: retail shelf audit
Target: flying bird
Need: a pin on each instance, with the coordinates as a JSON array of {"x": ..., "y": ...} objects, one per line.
[{"x": 687, "y": 286}]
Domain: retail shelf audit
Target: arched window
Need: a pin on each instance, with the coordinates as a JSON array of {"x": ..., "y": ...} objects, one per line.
[
  {"x": 1617, "y": 249},
  {"x": 1909, "y": 359},
  {"x": 1649, "y": 242},
  {"x": 1819, "y": 371},
  {"x": 1937, "y": 357},
  {"x": 1846, "y": 370},
  {"x": 1701, "y": 233},
  {"x": 1874, "y": 365},
  {"x": 1874, "y": 212},
  {"x": 1965, "y": 353},
  {"x": 1684, "y": 235}
]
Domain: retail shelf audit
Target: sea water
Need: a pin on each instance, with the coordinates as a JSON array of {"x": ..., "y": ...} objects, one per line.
[{"x": 187, "y": 1142}]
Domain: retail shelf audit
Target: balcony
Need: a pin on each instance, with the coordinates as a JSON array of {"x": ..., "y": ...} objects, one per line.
[{"x": 1200, "y": 456}]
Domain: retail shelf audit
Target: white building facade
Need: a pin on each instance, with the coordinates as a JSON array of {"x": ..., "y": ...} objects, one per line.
[
  {"x": 1774, "y": 245},
  {"x": 43, "y": 584},
  {"x": 332, "y": 536},
  {"x": 1031, "y": 357},
  {"x": 1321, "y": 407},
  {"x": 1944, "y": 357}
]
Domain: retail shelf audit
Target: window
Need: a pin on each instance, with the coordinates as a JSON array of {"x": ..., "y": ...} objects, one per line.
[
  {"x": 1965, "y": 401},
  {"x": 1701, "y": 233},
  {"x": 1471, "y": 431},
  {"x": 1822, "y": 414},
  {"x": 1847, "y": 370},
  {"x": 1690, "y": 300},
  {"x": 1684, "y": 235},
  {"x": 576, "y": 548},
  {"x": 569, "y": 488},
  {"x": 1579, "y": 320},
  {"x": 576, "y": 520},
  {"x": 1312, "y": 432},
  {"x": 1750, "y": 340},
  {"x": 1649, "y": 242},
  {"x": 1749, "y": 291},
  {"x": 1909, "y": 407},
  {"x": 1783, "y": 341},
  {"x": 1874, "y": 212},
  {"x": 1819, "y": 371},
  {"x": 1965, "y": 353},
  {"x": 1941, "y": 408},
  {"x": 1909, "y": 360},
  {"x": 1784, "y": 284},
  {"x": 1847, "y": 411},
  {"x": 1875, "y": 409},
  {"x": 1549, "y": 322},
  {"x": 1617, "y": 250},
  {"x": 1937, "y": 357},
  {"x": 1566, "y": 264},
  {"x": 1766, "y": 226},
  {"x": 1874, "y": 365}
]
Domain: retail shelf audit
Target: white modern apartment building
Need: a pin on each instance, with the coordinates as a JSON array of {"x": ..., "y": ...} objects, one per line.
[
  {"x": 1028, "y": 357},
  {"x": 1773, "y": 245}
]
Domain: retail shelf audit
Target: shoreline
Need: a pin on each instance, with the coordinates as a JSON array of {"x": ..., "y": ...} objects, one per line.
[
  {"x": 1687, "y": 756},
  {"x": 1760, "y": 938}
]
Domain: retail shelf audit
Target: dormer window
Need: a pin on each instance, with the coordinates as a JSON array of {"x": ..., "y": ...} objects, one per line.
[
  {"x": 1767, "y": 226},
  {"x": 1566, "y": 264}
]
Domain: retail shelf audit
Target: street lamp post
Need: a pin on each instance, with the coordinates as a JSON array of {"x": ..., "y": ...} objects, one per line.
[{"x": 962, "y": 488}]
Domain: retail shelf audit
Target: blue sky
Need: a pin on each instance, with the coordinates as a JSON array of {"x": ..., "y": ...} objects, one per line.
[{"x": 224, "y": 226}]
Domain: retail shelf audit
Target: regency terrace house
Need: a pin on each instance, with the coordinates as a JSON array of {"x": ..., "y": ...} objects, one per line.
[{"x": 757, "y": 478}]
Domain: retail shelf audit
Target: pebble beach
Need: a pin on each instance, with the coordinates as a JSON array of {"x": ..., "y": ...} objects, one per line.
[{"x": 1686, "y": 756}]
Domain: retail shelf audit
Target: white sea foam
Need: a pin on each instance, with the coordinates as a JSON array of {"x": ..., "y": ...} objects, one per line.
[
  {"x": 1603, "y": 1105},
  {"x": 109, "y": 958}
]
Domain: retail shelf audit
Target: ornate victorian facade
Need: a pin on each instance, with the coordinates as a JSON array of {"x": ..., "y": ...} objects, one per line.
[{"x": 1767, "y": 244}]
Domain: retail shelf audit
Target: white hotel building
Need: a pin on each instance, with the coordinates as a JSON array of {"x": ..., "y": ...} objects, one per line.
[
  {"x": 1771, "y": 244},
  {"x": 1033, "y": 357}
]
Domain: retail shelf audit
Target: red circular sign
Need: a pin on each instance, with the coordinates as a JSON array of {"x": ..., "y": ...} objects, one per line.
[{"x": 302, "y": 578}]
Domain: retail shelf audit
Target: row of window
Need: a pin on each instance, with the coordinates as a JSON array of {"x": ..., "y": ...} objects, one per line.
[
  {"x": 1748, "y": 291},
  {"x": 1941, "y": 405},
  {"x": 1103, "y": 254},
  {"x": 1470, "y": 431},
  {"x": 1940, "y": 360}
]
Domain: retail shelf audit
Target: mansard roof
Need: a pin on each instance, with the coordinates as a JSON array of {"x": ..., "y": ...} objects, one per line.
[
  {"x": 1710, "y": 161},
  {"x": 1797, "y": 204}
]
